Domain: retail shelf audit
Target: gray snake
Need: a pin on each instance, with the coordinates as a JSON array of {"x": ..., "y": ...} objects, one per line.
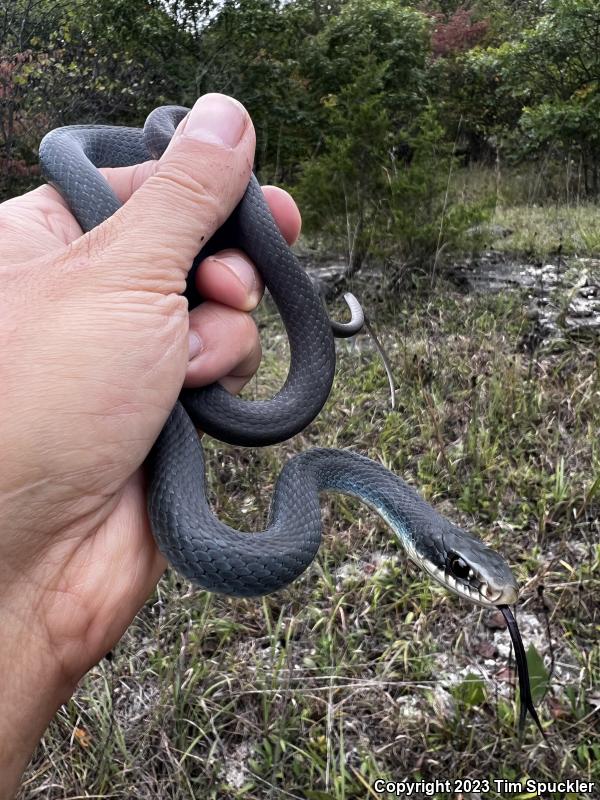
[{"x": 197, "y": 544}]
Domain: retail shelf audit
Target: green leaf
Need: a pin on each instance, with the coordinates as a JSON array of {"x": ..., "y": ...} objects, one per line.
[
  {"x": 538, "y": 674},
  {"x": 310, "y": 795},
  {"x": 471, "y": 691},
  {"x": 593, "y": 490}
]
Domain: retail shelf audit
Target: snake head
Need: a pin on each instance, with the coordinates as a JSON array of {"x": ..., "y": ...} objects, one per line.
[{"x": 467, "y": 566}]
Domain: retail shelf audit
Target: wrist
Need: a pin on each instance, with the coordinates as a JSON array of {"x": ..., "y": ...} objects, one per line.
[{"x": 32, "y": 688}]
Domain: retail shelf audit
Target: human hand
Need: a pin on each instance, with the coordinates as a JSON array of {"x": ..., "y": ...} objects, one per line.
[{"x": 94, "y": 332}]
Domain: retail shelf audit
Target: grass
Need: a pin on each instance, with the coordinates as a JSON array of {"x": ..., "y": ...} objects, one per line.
[
  {"x": 363, "y": 669},
  {"x": 537, "y": 205},
  {"x": 544, "y": 231}
]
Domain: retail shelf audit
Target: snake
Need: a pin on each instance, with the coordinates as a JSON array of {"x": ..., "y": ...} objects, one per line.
[{"x": 197, "y": 544}]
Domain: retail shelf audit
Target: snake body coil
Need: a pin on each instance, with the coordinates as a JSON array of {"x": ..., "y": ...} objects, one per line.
[
  {"x": 70, "y": 157},
  {"x": 199, "y": 545}
]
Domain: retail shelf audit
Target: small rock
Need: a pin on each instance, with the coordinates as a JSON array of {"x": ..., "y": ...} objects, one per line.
[
  {"x": 486, "y": 649},
  {"x": 495, "y": 621},
  {"x": 443, "y": 703}
]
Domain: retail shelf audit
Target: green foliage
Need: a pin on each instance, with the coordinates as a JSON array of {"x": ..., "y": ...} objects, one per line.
[
  {"x": 427, "y": 219},
  {"x": 23, "y": 58},
  {"x": 384, "y": 195},
  {"x": 357, "y": 105},
  {"x": 540, "y": 89},
  {"x": 471, "y": 691},
  {"x": 253, "y": 51},
  {"x": 72, "y": 62},
  {"x": 375, "y": 35},
  {"x": 378, "y": 182},
  {"x": 344, "y": 189},
  {"x": 538, "y": 674},
  {"x": 560, "y": 61}
]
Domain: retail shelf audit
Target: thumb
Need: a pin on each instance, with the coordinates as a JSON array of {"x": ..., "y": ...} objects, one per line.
[{"x": 151, "y": 241}]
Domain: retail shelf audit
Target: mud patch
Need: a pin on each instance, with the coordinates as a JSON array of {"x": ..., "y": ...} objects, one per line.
[{"x": 562, "y": 295}]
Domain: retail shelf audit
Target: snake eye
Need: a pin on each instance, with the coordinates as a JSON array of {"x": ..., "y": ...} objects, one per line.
[{"x": 458, "y": 567}]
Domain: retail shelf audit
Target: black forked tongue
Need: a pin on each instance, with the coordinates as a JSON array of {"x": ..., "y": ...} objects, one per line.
[{"x": 526, "y": 700}]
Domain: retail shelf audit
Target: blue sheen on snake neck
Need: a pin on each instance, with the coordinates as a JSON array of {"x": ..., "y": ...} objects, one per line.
[
  {"x": 341, "y": 483},
  {"x": 222, "y": 559}
]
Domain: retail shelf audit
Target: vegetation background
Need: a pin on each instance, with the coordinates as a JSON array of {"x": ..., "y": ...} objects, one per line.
[{"x": 415, "y": 136}]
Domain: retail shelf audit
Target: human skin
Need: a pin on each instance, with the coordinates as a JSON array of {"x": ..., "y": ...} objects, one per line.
[{"x": 94, "y": 334}]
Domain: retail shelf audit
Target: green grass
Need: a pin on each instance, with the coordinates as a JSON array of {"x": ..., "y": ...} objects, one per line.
[
  {"x": 540, "y": 210},
  {"x": 547, "y": 230},
  {"x": 363, "y": 669}
]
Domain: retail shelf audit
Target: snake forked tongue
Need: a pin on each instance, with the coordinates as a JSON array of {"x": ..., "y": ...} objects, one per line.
[{"x": 526, "y": 700}]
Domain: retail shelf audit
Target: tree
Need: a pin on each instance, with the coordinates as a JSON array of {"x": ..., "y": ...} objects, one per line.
[
  {"x": 368, "y": 32},
  {"x": 22, "y": 24},
  {"x": 559, "y": 60},
  {"x": 456, "y": 32},
  {"x": 344, "y": 189},
  {"x": 538, "y": 92},
  {"x": 378, "y": 178},
  {"x": 67, "y": 61}
]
